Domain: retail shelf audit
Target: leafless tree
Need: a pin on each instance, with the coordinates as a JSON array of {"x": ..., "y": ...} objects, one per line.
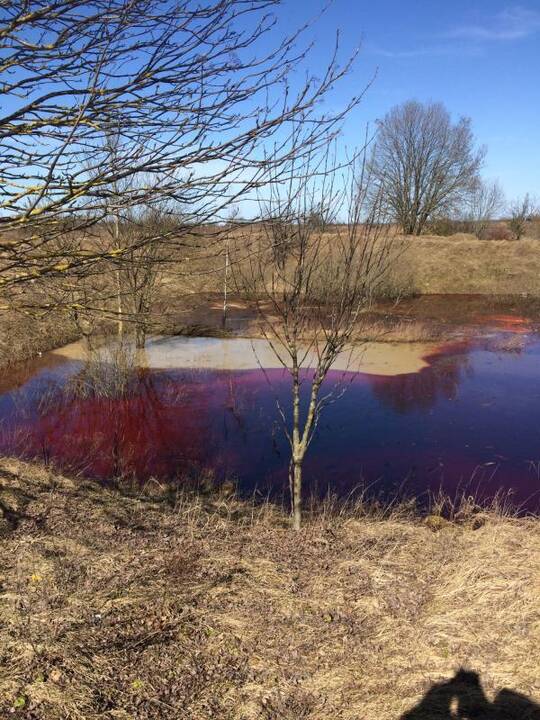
[
  {"x": 485, "y": 201},
  {"x": 191, "y": 89},
  {"x": 426, "y": 164},
  {"x": 521, "y": 211},
  {"x": 309, "y": 299},
  {"x": 142, "y": 266}
]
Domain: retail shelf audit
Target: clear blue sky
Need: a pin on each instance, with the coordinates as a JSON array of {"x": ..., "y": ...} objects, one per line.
[{"x": 479, "y": 57}]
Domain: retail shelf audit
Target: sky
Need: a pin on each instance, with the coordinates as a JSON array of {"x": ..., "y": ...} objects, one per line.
[{"x": 481, "y": 58}]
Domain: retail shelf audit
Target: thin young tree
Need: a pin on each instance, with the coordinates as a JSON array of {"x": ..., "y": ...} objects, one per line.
[
  {"x": 196, "y": 90},
  {"x": 144, "y": 266},
  {"x": 426, "y": 164},
  {"x": 310, "y": 296}
]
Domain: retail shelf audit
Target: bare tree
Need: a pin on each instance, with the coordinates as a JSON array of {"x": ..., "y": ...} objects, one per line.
[
  {"x": 193, "y": 89},
  {"x": 485, "y": 201},
  {"x": 426, "y": 164},
  {"x": 521, "y": 211},
  {"x": 309, "y": 299},
  {"x": 142, "y": 266}
]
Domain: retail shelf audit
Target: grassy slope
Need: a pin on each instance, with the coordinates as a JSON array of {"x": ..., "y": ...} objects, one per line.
[
  {"x": 462, "y": 264},
  {"x": 118, "y": 607},
  {"x": 428, "y": 264}
]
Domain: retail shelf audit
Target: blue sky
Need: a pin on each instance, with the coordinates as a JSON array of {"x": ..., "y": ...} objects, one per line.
[{"x": 479, "y": 57}]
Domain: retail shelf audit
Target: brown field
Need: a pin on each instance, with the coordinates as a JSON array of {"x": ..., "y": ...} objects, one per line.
[
  {"x": 171, "y": 606},
  {"x": 457, "y": 264}
]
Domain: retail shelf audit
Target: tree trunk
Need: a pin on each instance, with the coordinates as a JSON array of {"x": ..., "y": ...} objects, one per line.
[
  {"x": 140, "y": 336},
  {"x": 297, "y": 495},
  {"x": 225, "y": 288},
  {"x": 119, "y": 308}
]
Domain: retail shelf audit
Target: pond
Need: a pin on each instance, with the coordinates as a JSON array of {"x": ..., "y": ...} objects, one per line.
[{"x": 462, "y": 417}]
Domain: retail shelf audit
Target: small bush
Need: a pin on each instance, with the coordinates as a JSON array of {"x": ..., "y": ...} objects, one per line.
[
  {"x": 533, "y": 228},
  {"x": 396, "y": 287},
  {"x": 445, "y": 227},
  {"x": 496, "y": 232}
]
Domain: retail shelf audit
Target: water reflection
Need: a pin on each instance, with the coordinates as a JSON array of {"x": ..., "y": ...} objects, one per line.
[
  {"x": 422, "y": 390},
  {"x": 463, "y": 423}
]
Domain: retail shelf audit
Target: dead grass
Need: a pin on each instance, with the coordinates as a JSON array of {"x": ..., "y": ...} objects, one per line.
[
  {"x": 457, "y": 264},
  {"x": 127, "y": 607},
  {"x": 395, "y": 329},
  {"x": 462, "y": 264},
  {"x": 24, "y": 336}
]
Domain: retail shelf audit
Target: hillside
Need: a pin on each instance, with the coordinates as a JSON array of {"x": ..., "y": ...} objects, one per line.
[{"x": 461, "y": 264}]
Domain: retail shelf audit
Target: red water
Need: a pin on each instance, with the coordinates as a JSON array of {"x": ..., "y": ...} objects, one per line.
[{"x": 468, "y": 422}]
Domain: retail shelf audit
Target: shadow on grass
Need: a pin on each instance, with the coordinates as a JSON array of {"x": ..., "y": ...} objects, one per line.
[{"x": 463, "y": 698}]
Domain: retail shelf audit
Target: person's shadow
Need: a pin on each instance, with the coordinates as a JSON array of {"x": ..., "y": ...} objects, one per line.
[{"x": 462, "y": 698}]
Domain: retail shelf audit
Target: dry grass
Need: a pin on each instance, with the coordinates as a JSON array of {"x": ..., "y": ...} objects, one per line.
[
  {"x": 127, "y": 607},
  {"x": 395, "y": 329},
  {"x": 462, "y": 264},
  {"x": 457, "y": 264},
  {"x": 23, "y": 336}
]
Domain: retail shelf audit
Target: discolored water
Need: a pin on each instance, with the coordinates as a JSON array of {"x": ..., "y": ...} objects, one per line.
[{"x": 466, "y": 420}]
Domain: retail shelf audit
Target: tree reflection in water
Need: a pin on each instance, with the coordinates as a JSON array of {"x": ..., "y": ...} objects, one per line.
[
  {"x": 463, "y": 423},
  {"x": 421, "y": 391}
]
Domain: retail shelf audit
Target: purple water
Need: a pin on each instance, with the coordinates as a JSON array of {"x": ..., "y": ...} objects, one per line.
[{"x": 467, "y": 423}]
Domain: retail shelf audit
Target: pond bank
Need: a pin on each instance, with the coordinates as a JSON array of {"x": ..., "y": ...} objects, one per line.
[
  {"x": 140, "y": 606},
  {"x": 423, "y": 318},
  {"x": 429, "y": 319}
]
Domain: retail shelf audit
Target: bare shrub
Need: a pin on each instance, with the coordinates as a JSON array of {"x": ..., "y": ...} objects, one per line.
[
  {"x": 521, "y": 213},
  {"x": 498, "y": 231},
  {"x": 444, "y": 227},
  {"x": 108, "y": 372},
  {"x": 485, "y": 201}
]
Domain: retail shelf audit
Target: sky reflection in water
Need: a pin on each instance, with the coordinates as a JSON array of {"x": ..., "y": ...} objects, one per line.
[{"x": 469, "y": 421}]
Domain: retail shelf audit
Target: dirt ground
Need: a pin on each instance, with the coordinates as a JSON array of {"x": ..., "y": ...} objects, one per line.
[{"x": 161, "y": 605}]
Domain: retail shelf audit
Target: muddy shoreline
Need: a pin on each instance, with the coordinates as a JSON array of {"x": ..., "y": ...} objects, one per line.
[{"x": 427, "y": 319}]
